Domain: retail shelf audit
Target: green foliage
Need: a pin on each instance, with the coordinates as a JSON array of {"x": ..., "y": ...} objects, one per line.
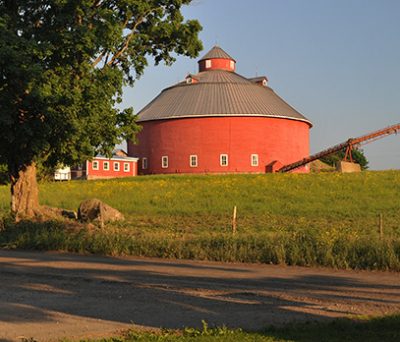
[
  {"x": 62, "y": 68},
  {"x": 357, "y": 155},
  {"x": 44, "y": 173},
  {"x": 4, "y": 178},
  {"x": 207, "y": 331}
]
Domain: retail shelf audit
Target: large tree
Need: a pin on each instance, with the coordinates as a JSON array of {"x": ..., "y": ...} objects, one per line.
[{"x": 63, "y": 65}]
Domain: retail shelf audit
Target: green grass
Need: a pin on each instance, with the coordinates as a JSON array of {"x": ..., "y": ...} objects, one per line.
[
  {"x": 328, "y": 219},
  {"x": 265, "y": 202},
  {"x": 357, "y": 330}
]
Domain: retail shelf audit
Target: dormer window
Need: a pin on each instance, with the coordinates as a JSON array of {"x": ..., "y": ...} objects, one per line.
[
  {"x": 208, "y": 63},
  {"x": 232, "y": 65},
  {"x": 190, "y": 79},
  {"x": 261, "y": 81}
]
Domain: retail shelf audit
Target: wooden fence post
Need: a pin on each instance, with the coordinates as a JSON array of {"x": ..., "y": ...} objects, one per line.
[{"x": 234, "y": 224}]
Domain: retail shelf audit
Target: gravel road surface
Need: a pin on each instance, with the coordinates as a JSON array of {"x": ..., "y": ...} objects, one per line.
[{"x": 48, "y": 296}]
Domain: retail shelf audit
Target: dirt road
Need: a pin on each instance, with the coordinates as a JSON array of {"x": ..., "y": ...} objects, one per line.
[{"x": 50, "y": 295}]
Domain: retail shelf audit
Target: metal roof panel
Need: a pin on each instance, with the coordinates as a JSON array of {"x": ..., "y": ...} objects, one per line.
[{"x": 218, "y": 93}]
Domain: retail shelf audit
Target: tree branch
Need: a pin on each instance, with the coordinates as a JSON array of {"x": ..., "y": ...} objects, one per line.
[
  {"x": 97, "y": 4},
  {"x": 131, "y": 34},
  {"x": 98, "y": 59}
]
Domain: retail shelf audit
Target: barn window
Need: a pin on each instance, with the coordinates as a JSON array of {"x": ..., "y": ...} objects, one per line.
[
  {"x": 232, "y": 64},
  {"x": 106, "y": 166},
  {"x": 144, "y": 163},
  {"x": 164, "y": 162},
  {"x": 223, "y": 159},
  {"x": 127, "y": 167},
  {"x": 116, "y": 166},
  {"x": 208, "y": 63},
  {"x": 193, "y": 160},
  {"x": 95, "y": 165},
  {"x": 254, "y": 160}
]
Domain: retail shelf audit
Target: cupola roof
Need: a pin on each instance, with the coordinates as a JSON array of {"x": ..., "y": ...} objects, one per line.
[{"x": 216, "y": 53}]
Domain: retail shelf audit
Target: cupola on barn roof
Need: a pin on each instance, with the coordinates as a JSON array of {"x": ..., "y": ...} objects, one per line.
[
  {"x": 217, "y": 59},
  {"x": 218, "y": 91},
  {"x": 216, "y": 53}
]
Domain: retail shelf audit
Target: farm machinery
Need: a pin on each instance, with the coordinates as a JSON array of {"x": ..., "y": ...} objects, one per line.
[{"x": 349, "y": 145}]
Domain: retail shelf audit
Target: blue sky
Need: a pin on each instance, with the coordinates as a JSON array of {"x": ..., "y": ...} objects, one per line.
[{"x": 336, "y": 61}]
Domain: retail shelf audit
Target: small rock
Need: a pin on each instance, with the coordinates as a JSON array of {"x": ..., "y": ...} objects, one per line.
[{"x": 95, "y": 210}]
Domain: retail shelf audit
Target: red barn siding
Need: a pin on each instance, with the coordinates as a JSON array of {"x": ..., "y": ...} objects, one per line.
[
  {"x": 111, "y": 173},
  {"x": 217, "y": 64},
  {"x": 272, "y": 139}
]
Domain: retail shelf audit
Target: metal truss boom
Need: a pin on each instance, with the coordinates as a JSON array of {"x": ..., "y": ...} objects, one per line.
[{"x": 348, "y": 145}]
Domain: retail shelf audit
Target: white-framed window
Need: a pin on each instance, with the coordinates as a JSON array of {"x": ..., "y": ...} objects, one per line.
[
  {"x": 208, "y": 63},
  {"x": 164, "y": 162},
  {"x": 116, "y": 166},
  {"x": 95, "y": 165},
  {"x": 106, "y": 166},
  {"x": 254, "y": 159},
  {"x": 223, "y": 159},
  {"x": 144, "y": 163},
  {"x": 193, "y": 160},
  {"x": 127, "y": 167}
]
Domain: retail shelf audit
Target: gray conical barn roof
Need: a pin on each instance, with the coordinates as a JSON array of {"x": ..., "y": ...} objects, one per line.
[{"x": 218, "y": 93}]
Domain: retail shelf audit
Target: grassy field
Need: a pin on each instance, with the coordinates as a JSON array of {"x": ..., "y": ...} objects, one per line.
[
  {"x": 328, "y": 219},
  {"x": 356, "y": 330}
]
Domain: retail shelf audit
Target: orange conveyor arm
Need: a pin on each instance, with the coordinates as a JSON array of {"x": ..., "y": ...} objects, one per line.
[{"x": 348, "y": 145}]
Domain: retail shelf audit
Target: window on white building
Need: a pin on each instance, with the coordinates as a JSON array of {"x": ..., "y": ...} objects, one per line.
[
  {"x": 106, "y": 166},
  {"x": 254, "y": 160},
  {"x": 208, "y": 63},
  {"x": 95, "y": 165},
  {"x": 116, "y": 166},
  {"x": 127, "y": 167},
  {"x": 164, "y": 162},
  {"x": 223, "y": 159},
  {"x": 144, "y": 163},
  {"x": 193, "y": 160}
]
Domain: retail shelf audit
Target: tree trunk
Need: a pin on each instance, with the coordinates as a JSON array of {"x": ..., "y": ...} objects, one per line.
[{"x": 25, "y": 193}]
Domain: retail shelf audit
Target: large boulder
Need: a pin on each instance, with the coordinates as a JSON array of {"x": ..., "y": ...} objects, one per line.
[{"x": 95, "y": 210}]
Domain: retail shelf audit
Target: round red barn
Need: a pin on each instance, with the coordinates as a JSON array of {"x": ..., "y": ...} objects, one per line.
[{"x": 218, "y": 121}]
